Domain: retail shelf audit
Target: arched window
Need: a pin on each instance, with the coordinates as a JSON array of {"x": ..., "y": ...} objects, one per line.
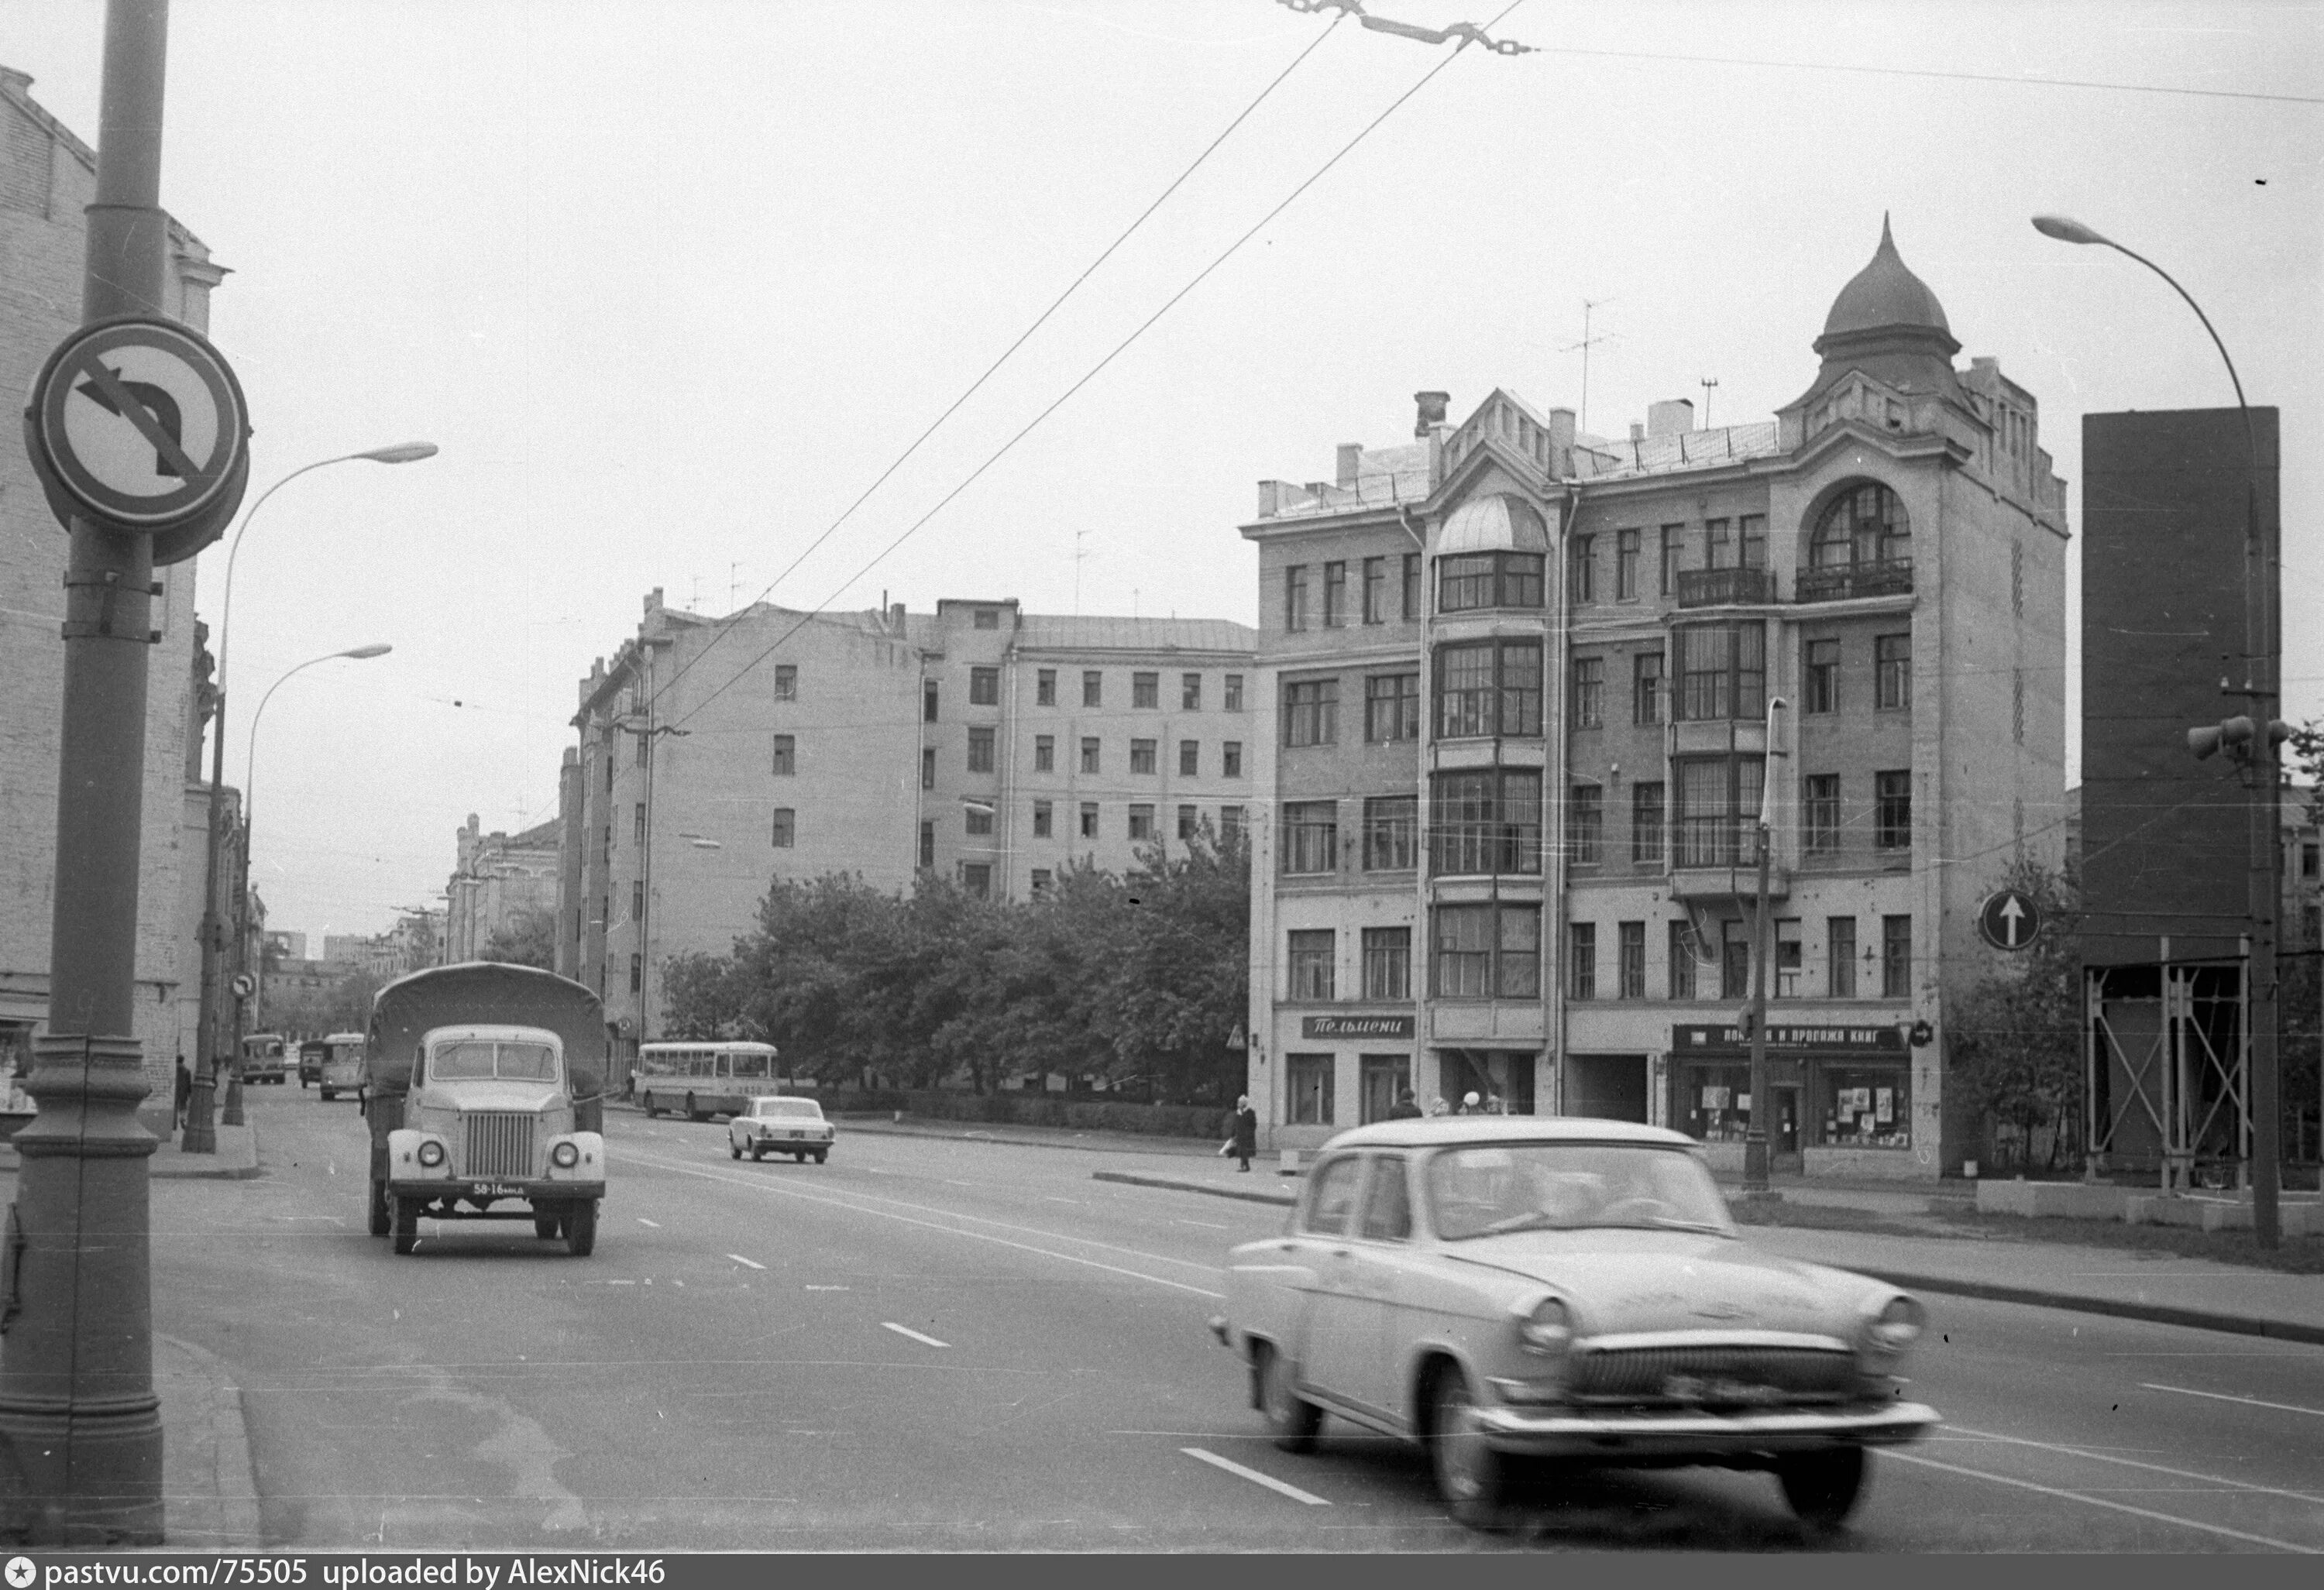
[{"x": 1865, "y": 524}]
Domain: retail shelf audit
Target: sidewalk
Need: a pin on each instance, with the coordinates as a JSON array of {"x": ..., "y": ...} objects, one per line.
[{"x": 236, "y": 1158}]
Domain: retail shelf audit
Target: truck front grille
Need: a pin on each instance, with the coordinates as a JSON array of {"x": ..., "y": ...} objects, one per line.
[{"x": 499, "y": 1145}]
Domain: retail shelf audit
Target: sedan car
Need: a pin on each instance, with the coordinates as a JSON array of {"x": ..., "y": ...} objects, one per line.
[
  {"x": 787, "y": 1124},
  {"x": 1500, "y": 1287}
]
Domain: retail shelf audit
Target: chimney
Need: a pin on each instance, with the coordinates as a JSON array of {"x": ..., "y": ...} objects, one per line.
[
  {"x": 896, "y": 618},
  {"x": 1272, "y": 495},
  {"x": 1432, "y": 406},
  {"x": 1352, "y": 464},
  {"x": 1561, "y": 442},
  {"x": 653, "y": 603},
  {"x": 1638, "y": 433},
  {"x": 1670, "y": 416}
]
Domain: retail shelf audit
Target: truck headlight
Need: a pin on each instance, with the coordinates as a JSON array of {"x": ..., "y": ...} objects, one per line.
[
  {"x": 1881, "y": 1339},
  {"x": 432, "y": 1153},
  {"x": 565, "y": 1156}
]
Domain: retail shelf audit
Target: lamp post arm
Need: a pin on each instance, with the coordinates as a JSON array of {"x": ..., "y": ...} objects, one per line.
[
  {"x": 2251, "y": 440},
  {"x": 225, "y": 592}
]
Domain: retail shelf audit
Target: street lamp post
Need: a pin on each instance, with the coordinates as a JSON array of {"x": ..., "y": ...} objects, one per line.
[
  {"x": 200, "y": 1135},
  {"x": 1755, "y": 1146},
  {"x": 2261, "y": 651}
]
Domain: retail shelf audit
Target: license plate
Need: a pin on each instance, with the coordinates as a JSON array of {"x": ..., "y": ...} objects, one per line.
[
  {"x": 794, "y": 1132},
  {"x": 495, "y": 1189}
]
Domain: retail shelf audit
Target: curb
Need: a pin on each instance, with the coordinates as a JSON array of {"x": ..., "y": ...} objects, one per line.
[
  {"x": 2288, "y": 1330},
  {"x": 888, "y": 1129},
  {"x": 220, "y": 1511}
]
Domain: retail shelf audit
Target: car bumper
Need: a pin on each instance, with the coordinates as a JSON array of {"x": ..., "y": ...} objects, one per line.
[
  {"x": 1612, "y": 1437},
  {"x": 787, "y": 1144}
]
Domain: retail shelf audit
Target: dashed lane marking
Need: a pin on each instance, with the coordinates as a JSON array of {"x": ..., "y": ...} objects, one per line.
[
  {"x": 2184, "y": 1523},
  {"x": 644, "y": 1221},
  {"x": 1205, "y": 1224},
  {"x": 1254, "y": 1476},
  {"x": 739, "y": 1259},
  {"x": 2223, "y": 1397},
  {"x": 916, "y": 1336},
  {"x": 2183, "y": 1474}
]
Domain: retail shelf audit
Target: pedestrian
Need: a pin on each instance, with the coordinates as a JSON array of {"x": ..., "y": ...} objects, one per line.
[
  {"x": 1436, "y": 1105},
  {"x": 1469, "y": 1104},
  {"x": 181, "y": 1094},
  {"x": 1246, "y": 1132},
  {"x": 1404, "y": 1109},
  {"x": 1494, "y": 1106}
]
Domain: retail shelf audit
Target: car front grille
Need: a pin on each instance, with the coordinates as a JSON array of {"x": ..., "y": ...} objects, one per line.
[
  {"x": 499, "y": 1144},
  {"x": 1712, "y": 1375}
]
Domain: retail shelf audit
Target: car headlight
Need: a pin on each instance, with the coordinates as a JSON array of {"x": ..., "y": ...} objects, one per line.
[
  {"x": 432, "y": 1153},
  {"x": 1881, "y": 1339},
  {"x": 565, "y": 1156},
  {"x": 1547, "y": 1332}
]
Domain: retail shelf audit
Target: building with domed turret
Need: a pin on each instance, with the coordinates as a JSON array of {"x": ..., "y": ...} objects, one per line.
[{"x": 1515, "y": 692}]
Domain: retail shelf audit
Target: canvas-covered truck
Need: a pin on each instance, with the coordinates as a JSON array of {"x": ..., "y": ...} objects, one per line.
[{"x": 482, "y": 1086}]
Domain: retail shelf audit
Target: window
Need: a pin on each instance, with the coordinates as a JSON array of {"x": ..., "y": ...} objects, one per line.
[
  {"x": 1090, "y": 755},
  {"x": 1486, "y": 823},
  {"x": 1146, "y": 690},
  {"x": 978, "y": 820},
  {"x": 1390, "y": 822},
  {"x": 1895, "y": 956},
  {"x": 1189, "y": 820},
  {"x": 1646, "y": 824},
  {"x": 1142, "y": 756},
  {"x": 1867, "y": 1109},
  {"x": 1141, "y": 823},
  {"x": 1391, "y": 707},
  {"x": 1683, "y": 953},
  {"x": 637, "y": 973},
  {"x": 1718, "y": 545},
  {"x": 1388, "y": 963},
  {"x": 1233, "y": 695},
  {"x": 1722, "y": 672},
  {"x": 1753, "y": 527},
  {"x": 976, "y": 880},
  {"x": 928, "y": 701},
  {"x": 1718, "y": 811},
  {"x": 1189, "y": 692},
  {"x": 1335, "y": 595},
  {"x": 786, "y": 831},
  {"x": 1735, "y": 960},
  {"x": 786, "y": 682},
  {"x": 1633, "y": 968},
  {"x": 1045, "y": 753},
  {"x": 1093, "y": 688},
  {"x": 1045, "y": 689},
  {"x": 1310, "y": 960},
  {"x": 927, "y": 844},
  {"x": 1585, "y": 568},
  {"x": 1820, "y": 814},
  {"x": 1229, "y": 824},
  {"x": 1788, "y": 954},
  {"x": 1489, "y": 687},
  {"x": 638, "y": 900},
  {"x": 1088, "y": 819},
  {"x": 1231, "y": 759},
  {"x": 1864, "y": 525},
  {"x": 928, "y": 767},
  {"x": 1892, "y": 811},
  {"x": 1309, "y": 1079},
  {"x": 1646, "y": 688},
  {"x": 1488, "y": 579},
  {"x": 1892, "y": 672},
  {"x": 785, "y": 756},
  {"x": 640, "y": 836},
  {"x": 1311, "y": 836},
  {"x": 1375, "y": 590},
  {"x": 980, "y": 750},
  {"x": 1190, "y": 758},
  {"x": 987, "y": 619},
  {"x": 1294, "y": 597},
  {"x": 1581, "y": 960},
  {"x": 2311, "y": 856},
  {"x": 1043, "y": 818},
  {"x": 1487, "y": 951},
  {"x": 1311, "y": 712},
  {"x": 1674, "y": 551},
  {"x": 1626, "y": 565},
  {"x": 1585, "y": 825},
  {"x": 1822, "y": 671},
  {"x": 1411, "y": 607},
  {"x": 2017, "y": 706},
  {"x": 1839, "y": 957},
  {"x": 1387, "y": 1200},
  {"x": 984, "y": 687},
  {"x": 1044, "y": 883},
  {"x": 1590, "y": 693}
]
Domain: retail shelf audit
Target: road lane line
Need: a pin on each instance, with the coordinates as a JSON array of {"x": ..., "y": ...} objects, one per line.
[
  {"x": 2184, "y": 1523},
  {"x": 2183, "y": 1474},
  {"x": 740, "y": 1260},
  {"x": 2246, "y": 1402},
  {"x": 644, "y": 1221},
  {"x": 1205, "y": 1224},
  {"x": 1252, "y": 1474},
  {"x": 858, "y": 1208},
  {"x": 907, "y": 1330}
]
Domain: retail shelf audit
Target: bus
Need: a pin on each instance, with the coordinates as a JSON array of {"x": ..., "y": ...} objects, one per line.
[
  {"x": 343, "y": 1065},
  {"x": 265, "y": 1057},
  {"x": 704, "y": 1080}
]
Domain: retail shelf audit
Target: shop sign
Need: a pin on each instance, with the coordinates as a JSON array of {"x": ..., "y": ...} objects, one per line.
[
  {"x": 1355, "y": 1026},
  {"x": 1687, "y": 1039}
]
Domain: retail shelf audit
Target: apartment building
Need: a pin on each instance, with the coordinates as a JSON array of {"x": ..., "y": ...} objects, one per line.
[
  {"x": 1516, "y": 687},
  {"x": 499, "y": 881}
]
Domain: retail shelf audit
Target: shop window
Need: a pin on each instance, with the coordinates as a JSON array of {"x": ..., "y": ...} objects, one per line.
[
  {"x": 1308, "y": 1078},
  {"x": 1865, "y": 1107},
  {"x": 1714, "y": 1102}
]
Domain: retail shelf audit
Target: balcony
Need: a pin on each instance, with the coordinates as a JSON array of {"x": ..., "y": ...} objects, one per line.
[
  {"x": 1725, "y": 587},
  {"x": 1892, "y": 578}
]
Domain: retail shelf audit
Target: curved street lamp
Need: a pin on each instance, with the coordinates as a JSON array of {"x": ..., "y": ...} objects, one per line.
[
  {"x": 2262, "y": 649},
  {"x": 200, "y": 1135}
]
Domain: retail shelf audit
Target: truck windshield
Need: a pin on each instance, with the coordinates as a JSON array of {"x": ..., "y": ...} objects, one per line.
[{"x": 482, "y": 1057}]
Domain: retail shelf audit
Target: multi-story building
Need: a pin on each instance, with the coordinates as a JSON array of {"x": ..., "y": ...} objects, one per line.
[
  {"x": 978, "y": 743},
  {"x": 1515, "y": 723},
  {"x": 499, "y": 880}
]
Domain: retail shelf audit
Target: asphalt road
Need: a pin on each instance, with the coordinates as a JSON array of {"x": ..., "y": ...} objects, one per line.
[{"x": 932, "y": 1345}]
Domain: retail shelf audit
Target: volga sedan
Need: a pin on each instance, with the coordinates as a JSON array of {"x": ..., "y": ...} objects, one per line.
[
  {"x": 788, "y": 1124},
  {"x": 1494, "y": 1287}
]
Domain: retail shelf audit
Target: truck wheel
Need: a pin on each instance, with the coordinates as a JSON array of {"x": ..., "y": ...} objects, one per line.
[
  {"x": 379, "y": 1211},
  {"x": 757, "y": 1153},
  {"x": 407, "y": 1224},
  {"x": 735, "y": 1149},
  {"x": 548, "y": 1228},
  {"x": 581, "y": 1229}
]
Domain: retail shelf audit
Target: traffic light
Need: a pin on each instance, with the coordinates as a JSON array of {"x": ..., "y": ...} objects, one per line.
[{"x": 2234, "y": 736}]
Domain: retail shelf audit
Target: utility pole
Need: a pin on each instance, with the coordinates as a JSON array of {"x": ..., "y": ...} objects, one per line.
[
  {"x": 1756, "y": 1147},
  {"x": 1709, "y": 382}
]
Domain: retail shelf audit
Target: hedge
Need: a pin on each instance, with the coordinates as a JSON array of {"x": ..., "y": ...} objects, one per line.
[{"x": 1036, "y": 1110}]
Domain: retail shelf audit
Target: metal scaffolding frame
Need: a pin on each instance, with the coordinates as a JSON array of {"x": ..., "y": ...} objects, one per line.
[{"x": 2167, "y": 1072}]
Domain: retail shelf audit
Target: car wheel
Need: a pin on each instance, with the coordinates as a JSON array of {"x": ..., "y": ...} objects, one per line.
[
  {"x": 407, "y": 1224},
  {"x": 757, "y": 1153},
  {"x": 1823, "y": 1487},
  {"x": 547, "y": 1228},
  {"x": 327, "y": 1096},
  {"x": 581, "y": 1229},
  {"x": 735, "y": 1149},
  {"x": 822, "y": 1156},
  {"x": 1468, "y": 1473},
  {"x": 380, "y": 1219},
  {"x": 1291, "y": 1420}
]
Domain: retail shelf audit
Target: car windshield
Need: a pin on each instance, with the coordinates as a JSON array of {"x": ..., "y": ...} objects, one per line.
[
  {"x": 1483, "y": 1190},
  {"x": 796, "y": 1109},
  {"x": 486, "y": 1057}
]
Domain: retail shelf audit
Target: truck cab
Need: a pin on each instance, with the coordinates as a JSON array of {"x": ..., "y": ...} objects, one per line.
[{"x": 489, "y": 1132}]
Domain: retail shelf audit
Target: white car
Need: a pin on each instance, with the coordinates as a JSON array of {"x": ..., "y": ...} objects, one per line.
[{"x": 787, "y": 1124}]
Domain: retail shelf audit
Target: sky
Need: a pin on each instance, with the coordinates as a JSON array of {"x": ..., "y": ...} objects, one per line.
[{"x": 672, "y": 283}]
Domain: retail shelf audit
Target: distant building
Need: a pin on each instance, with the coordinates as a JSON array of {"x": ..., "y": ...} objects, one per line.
[
  {"x": 284, "y": 945},
  {"x": 499, "y": 881}
]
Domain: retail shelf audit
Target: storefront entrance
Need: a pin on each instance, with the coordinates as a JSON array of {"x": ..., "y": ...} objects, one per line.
[
  {"x": 1783, "y": 1147},
  {"x": 1840, "y": 1099},
  {"x": 1384, "y": 1076},
  {"x": 1489, "y": 1073}
]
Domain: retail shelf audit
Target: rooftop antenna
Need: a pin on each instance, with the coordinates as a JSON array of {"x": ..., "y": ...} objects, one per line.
[
  {"x": 1708, "y": 381},
  {"x": 1585, "y": 344},
  {"x": 1079, "y": 551},
  {"x": 694, "y": 602},
  {"x": 733, "y": 584}
]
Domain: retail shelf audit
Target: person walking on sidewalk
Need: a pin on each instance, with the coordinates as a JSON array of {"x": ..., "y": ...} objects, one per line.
[
  {"x": 1246, "y": 1132},
  {"x": 1404, "y": 1109},
  {"x": 181, "y": 1094}
]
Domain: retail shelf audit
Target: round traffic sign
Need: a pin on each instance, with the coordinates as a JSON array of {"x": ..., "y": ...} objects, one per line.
[
  {"x": 138, "y": 422},
  {"x": 245, "y": 985},
  {"x": 2009, "y": 919}
]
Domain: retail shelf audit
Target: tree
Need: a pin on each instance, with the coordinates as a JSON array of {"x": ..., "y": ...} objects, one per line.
[
  {"x": 2015, "y": 1037},
  {"x": 529, "y": 938},
  {"x": 1181, "y": 985}
]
